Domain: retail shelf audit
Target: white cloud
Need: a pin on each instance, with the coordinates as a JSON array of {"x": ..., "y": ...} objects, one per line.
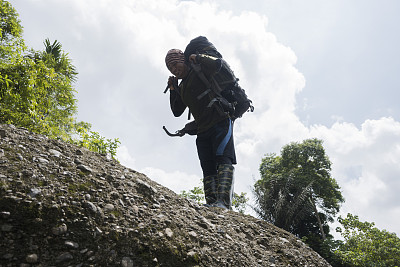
[
  {"x": 125, "y": 158},
  {"x": 366, "y": 164},
  {"x": 176, "y": 180}
]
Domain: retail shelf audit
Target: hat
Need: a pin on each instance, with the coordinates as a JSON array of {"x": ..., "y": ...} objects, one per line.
[{"x": 174, "y": 56}]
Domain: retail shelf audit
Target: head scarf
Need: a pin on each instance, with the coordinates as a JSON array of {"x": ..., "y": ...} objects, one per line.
[{"x": 174, "y": 56}]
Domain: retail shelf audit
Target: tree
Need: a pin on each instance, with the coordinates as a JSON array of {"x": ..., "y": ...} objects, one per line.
[
  {"x": 10, "y": 30},
  {"x": 53, "y": 49},
  {"x": 365, "y": 245},
  {"x": 296, "y": 191},
  {"x": 36, "y": 88},
  {"x": 14, "y": 96}
]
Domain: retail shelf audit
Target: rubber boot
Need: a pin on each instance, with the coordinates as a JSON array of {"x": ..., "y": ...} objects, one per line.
[
  {"x": 225, "y": 186},
  {"x": 210, "y": 184}
]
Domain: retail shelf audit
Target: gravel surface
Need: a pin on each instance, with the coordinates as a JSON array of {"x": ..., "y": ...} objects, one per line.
[{"x": 62, "y": 205}]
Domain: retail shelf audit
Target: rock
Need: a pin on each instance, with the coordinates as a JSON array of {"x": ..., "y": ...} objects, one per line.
[
  {"x": 60, "y": 230},
  {"x": 66, "y": 256},
  {"x": 169, "y": 232},
  {"x": 92, "y": 207},
  {"x": 108, "y": 207},
  {"x": 146, "y": 188},
  {"x": 192, "y": 253},
  {"x": 135, "y": 209},
  {"x": 6, "y": 228},
  {"x": 8, "y": 256},
  {"x": 203, "y": 222},
  {"x": 27, "y": 173},
  {"x": 5, "y": 214},
  {"x": 32, "y": 258},
  {"x": 192, "y": 234},
  {"x": 114, "y": 195},
  {"x": 84, "y": 168},
  {"x": 71, "y": 244},
  {"x": 284, "y": 240},
  {"x": 42, "y": 160},
  {"x": 51, "y": 214},
  {"x": 126, "y": 262},
  {"x": 34, "y": 192},
  {"x": 55, "y": 153}
]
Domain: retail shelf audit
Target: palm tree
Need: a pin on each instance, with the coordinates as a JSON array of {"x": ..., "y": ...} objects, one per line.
[
  {"x": 55, "y": 58},
  {"x": 281, "y": 203},
  {"x": 53, "y": 49},
  {"x": 294, "y": 185}
]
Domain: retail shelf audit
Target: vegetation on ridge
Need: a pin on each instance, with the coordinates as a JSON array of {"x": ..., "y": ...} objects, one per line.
[{"x": 36, "y": 88}]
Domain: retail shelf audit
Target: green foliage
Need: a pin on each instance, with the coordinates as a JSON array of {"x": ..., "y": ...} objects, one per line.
[
  {"x": 365, "y": 245},
  {"x": 281, "y": 202},
  {"x": 297, "y": 193},
  {"x": 294, "y": 185},
  {"x": 196, "y": 194},
  {"x": 36, "y": 88},
  {"x": 311, "y": 166},
  {"x": 325, "y": 248},
  {"x": 53, "y": 49},
  {"x": 239, "y": 202},
  {"x": 95, "y": 142},
  {"x": 10, "y": 30}
]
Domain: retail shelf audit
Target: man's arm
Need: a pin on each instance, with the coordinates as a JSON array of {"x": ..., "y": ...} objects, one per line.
[{"x": 176, "y": 103}]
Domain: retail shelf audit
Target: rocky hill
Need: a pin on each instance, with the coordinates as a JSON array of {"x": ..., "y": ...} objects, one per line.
[{"x": 62, "y": 205}]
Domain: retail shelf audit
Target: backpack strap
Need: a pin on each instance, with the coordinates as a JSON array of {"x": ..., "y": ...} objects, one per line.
[
  {"x": 203, "y": 78},
  {"x": 226, "y": 106},
  {"x": 200, "y": 96},
  {"x": 199, "y": 72}
]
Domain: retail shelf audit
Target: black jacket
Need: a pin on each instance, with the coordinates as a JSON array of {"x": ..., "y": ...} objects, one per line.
[{"x": 205, "y": 112}]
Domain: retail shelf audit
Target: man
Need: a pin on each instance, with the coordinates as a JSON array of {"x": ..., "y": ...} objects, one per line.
[{"x": 214, "y": 141}]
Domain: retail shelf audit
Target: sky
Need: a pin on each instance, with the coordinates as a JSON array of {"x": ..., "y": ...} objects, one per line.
[{"x": 314, "y": 69}]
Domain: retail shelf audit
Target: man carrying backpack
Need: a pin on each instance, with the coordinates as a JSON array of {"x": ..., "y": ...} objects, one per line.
[{"x": 214, "y": 141}]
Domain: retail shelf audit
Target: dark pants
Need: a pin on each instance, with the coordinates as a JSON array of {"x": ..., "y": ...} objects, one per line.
[{"x": 215, "y": 146}]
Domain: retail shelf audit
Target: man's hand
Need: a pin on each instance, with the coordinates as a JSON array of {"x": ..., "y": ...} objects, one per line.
[
  {"x": 192, "y": 58},
  {"x": 172, "y": 82}
]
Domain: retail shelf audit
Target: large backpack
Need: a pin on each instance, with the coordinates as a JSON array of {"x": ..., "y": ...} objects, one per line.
[{"x": 224, "y": 84}]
